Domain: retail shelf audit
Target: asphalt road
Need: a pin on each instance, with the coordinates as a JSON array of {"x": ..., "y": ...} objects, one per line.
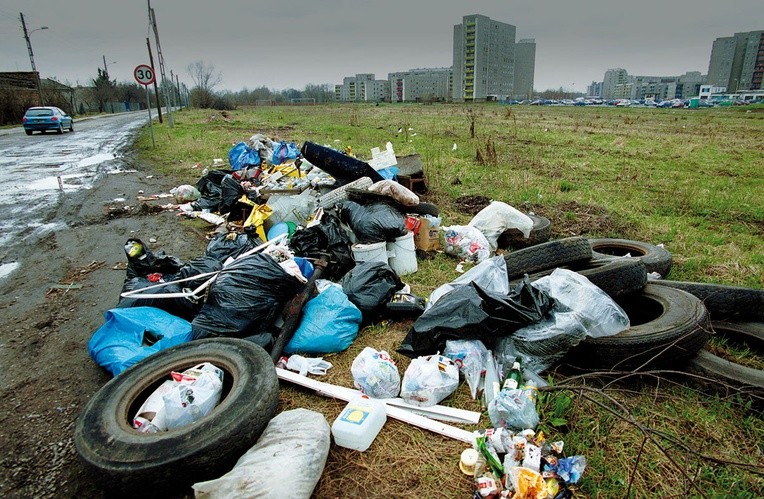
[{"x": 38, "y": 171}]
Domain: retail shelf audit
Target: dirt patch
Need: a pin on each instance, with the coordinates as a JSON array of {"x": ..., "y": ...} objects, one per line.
[
  {"x": 471, "y": 204},
  {"x": 575, "y": 219}
]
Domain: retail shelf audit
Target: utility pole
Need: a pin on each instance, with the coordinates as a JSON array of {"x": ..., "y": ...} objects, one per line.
[
  {"x": 153, "y": 19},
  {"x": 31, "y": 56},
  {"x": 156, "y": 90}
]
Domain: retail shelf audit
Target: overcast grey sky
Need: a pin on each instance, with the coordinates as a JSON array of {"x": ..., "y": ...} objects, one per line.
[{"x": 290, "y": 43}]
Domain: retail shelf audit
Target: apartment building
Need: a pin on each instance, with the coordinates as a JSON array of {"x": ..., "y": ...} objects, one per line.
[
  {"x": 737, "y": 62},
  {"x": 421, "y": 85},
  {"x": 525, "y": 68}
]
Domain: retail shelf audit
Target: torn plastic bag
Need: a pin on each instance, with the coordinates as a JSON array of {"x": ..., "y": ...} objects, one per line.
[
  {"x": 498, "y": 217},
  {"x": 210, "y": 189},
  {"x": 287, "y": 461},
  {"x": 223, "y": 246},
  {"x": 132, "y": 334},
  {"x": 245, "y": 299},
  {"x": 283, "y": 151},
  {"x": 141, "y": 262},
  {"x": 471, "y": 312},
  {"x": 329, "y": 236},
  {"x": 341, "y": 166},
  {"x": 329, "y": 322},
  {"x": 490, "y": 274},
  {"x": 179, "y": 306},
  {"x": 428, "y": 380},
  {"x": 373, "y": 223},
  {"x": 600, "y": 315},
  {"x": 370, "y": 285},
  {"x": 242, "y": 156},
  {"x": 469, "y": 356},
  {"x": 541, "y": 345},
  {"x": 231, "y": 191},
  {"x": 513, "y": 409}
]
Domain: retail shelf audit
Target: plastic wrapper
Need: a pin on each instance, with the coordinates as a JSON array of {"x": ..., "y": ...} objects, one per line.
[
  {"x": 305, "y": 365},
  {"x": 245, "y": 299},
  {"x": 287, "y": 461},
  {"x": 466, "y": 243},
  {"x": 373, "y": 223},
  {"x": 470, "y": 357},
  {"x": 498, "y": 217},
  {"x": 328, "y": 324},
  {"x": 375, "y": 374},
  {"x": 396, "y": 191},
  {"x": 490, "y": 274},
  {"x": 542, "y": 344},
  {"x": 514, "y": 410},
  {"x": 568, "y": 469},
  {"x": 471, "y": 312},
  {"x": 428, "y": 380},
  {"x": 599, "y": 314},
  {"x": 185, "y": 193},
  {"x": 527, "y": 484},
  {"x": 370, "y": 285}
]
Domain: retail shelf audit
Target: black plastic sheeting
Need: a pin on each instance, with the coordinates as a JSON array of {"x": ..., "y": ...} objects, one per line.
[
  {"x": 369, "y": 286},
  {"x": 326, "y": 237},
  {"x": 245, "y": 299},
  {"x": 232, "y": 244},
  {"x": 373, "y": 223},
  {"x": 471, "y": 312},
  {"x": 342, "y": 167},
  {"x": 151, "y": 263},
  {"x": 179, "y": 307}
]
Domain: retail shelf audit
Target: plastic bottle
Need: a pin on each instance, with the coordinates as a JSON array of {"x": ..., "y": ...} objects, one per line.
[
  {"x": 492, "y": 384},
  {"x": 359, "y": 422}
]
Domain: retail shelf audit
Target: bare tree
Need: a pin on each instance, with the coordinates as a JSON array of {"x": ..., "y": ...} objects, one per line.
[{"x": 204, "y": 75}]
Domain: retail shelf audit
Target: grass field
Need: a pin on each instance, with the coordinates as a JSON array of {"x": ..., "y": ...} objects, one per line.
[{"x": 692, "y": 180}]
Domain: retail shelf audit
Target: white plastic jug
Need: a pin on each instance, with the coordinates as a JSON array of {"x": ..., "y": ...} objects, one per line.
[
  {"x": 359, "y": 423},
  {"x": 402, "y": 254}
]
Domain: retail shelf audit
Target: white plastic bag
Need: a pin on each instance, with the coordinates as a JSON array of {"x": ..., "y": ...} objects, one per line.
[
  {"x": 383, "y": 159},
  {"x": 375, "y": 374},
  {"x": 513, "y": 409},
  {"x": 466, "y": 243},
  {"x": 287, "y": 461},
  {"x": 600, "y": 315},
  {"x": 490, "y": 274},
  {"x": 428, "y": 380},
  {"x": 498, "y": 217},
  {"x": 188, "y": 397},
  {"x": 470, "y": 357}
]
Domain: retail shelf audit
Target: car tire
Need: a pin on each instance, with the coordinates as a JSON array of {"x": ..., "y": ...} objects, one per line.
[
  {"x": 122, "y": 458},
  {"x": 60, "y": 129},
  {"x": 668, "y": 326},
  {"x": 615, "y": 277},
  {"x": 28, "y": 132},
  {"x": 724, "y": 302},
  {"x": 514, "y": 239},
  {"x": 548, "y": 255},
  {"x": 656, "y": 258},
  {"x": 71, "y": 126}
]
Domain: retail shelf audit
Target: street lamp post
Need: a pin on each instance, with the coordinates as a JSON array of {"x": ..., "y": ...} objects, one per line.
[
  {"x": 31, "y": 54},
  {"x": 106, "y": 68}
]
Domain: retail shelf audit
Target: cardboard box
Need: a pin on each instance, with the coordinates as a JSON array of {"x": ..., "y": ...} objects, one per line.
[{"x": 426, "y": 238}]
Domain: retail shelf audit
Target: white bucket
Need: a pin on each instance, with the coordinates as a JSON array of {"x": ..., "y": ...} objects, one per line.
[
  {"x": 402, "y": 254},
  {"x": 374, "y": 252}
]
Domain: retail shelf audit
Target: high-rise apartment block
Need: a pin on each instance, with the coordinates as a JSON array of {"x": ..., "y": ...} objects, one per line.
[
  {"x": 737, "y": 62},
  {"x": 525, "y": 68}
]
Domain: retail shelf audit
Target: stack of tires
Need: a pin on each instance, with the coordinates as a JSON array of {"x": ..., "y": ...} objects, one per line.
[{"x": 670, "y": 320}]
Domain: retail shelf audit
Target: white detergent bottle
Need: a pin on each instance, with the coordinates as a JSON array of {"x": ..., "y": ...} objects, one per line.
[{"x": 359, "y": 422}]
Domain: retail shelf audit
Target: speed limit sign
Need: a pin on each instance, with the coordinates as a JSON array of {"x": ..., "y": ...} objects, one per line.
[{"x": 144, "y": 74}]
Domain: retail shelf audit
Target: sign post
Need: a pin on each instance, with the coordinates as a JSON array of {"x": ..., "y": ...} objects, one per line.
[{"x": 144, "y": 74}]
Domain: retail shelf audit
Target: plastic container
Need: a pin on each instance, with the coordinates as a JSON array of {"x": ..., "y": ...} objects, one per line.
[
  {"x": 402, "y": 254},
  {"x": 373, "y": 252},
  {"x": 359, "y": 423}
]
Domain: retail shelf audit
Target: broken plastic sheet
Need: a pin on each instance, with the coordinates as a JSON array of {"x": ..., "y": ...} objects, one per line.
[{"x": 471, "y": 312}]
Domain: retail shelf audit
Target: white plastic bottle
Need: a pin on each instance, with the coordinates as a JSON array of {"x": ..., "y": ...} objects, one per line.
[{"x": 359, "y": 422}]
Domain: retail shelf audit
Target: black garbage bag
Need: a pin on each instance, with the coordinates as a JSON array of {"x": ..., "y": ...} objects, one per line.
[
  {"x": 344, "y": 168},
  {"x": 200, "y": 265},
  {"x": 141, "y": 261},
  {"x": 232, "y": 191},
  {"x": 179, "y": 306},
  {"x": 209, "y": 186},
  {"x": 471, "y": 312},
  {"x": 327, "y": 237},
  {"x": 370, "y": 286},
  {"x": 373, "y": 223},
  {"x": 232, "y": 244},
  {"x": 245, "y": 299}
]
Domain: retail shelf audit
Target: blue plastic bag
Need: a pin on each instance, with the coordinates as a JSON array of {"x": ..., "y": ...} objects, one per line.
[
  {"x": 241, "y": 156},
  {"x": 284, "y": 151},
  {"x": 132, "y": 334},
  {"x": 329, "y": 323}
]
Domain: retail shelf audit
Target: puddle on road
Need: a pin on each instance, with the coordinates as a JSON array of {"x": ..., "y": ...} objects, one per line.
[
  {"x": 7, "y": 269},
  {"x": 94, "y": 160}
]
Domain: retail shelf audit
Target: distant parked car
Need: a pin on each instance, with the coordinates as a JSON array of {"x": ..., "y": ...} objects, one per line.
[{"x": 41, "y": 119}]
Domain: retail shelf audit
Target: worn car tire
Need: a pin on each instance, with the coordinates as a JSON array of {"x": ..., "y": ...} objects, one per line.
[
  {"x": 60, "y": 129},
  {"x": 667, "y": 326},
  {"x": 656, "y": 258},
  {"x": 615, "y": 277},
  {"x": 422, "y": 208},
  {"x": 71, "y": 126},
  {"x": 28, "y": 132},
  {"x": 125, "y": 459},
  {"x": 514, "y": 239},
  {"x": 548, "y": 255},
  {"x": 724, "y": 302},
  {"x": 731, "y": 373}
]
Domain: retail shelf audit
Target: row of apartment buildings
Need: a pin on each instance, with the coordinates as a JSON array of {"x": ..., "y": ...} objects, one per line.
[
  {"x": 488, "y": 64},
  {"x": 736, "y": 64}
]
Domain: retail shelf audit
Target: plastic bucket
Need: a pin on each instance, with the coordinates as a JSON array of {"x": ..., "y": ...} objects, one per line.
[
  {"x": 374, "y": 252},
  {"x": 402, "y": 253}
]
